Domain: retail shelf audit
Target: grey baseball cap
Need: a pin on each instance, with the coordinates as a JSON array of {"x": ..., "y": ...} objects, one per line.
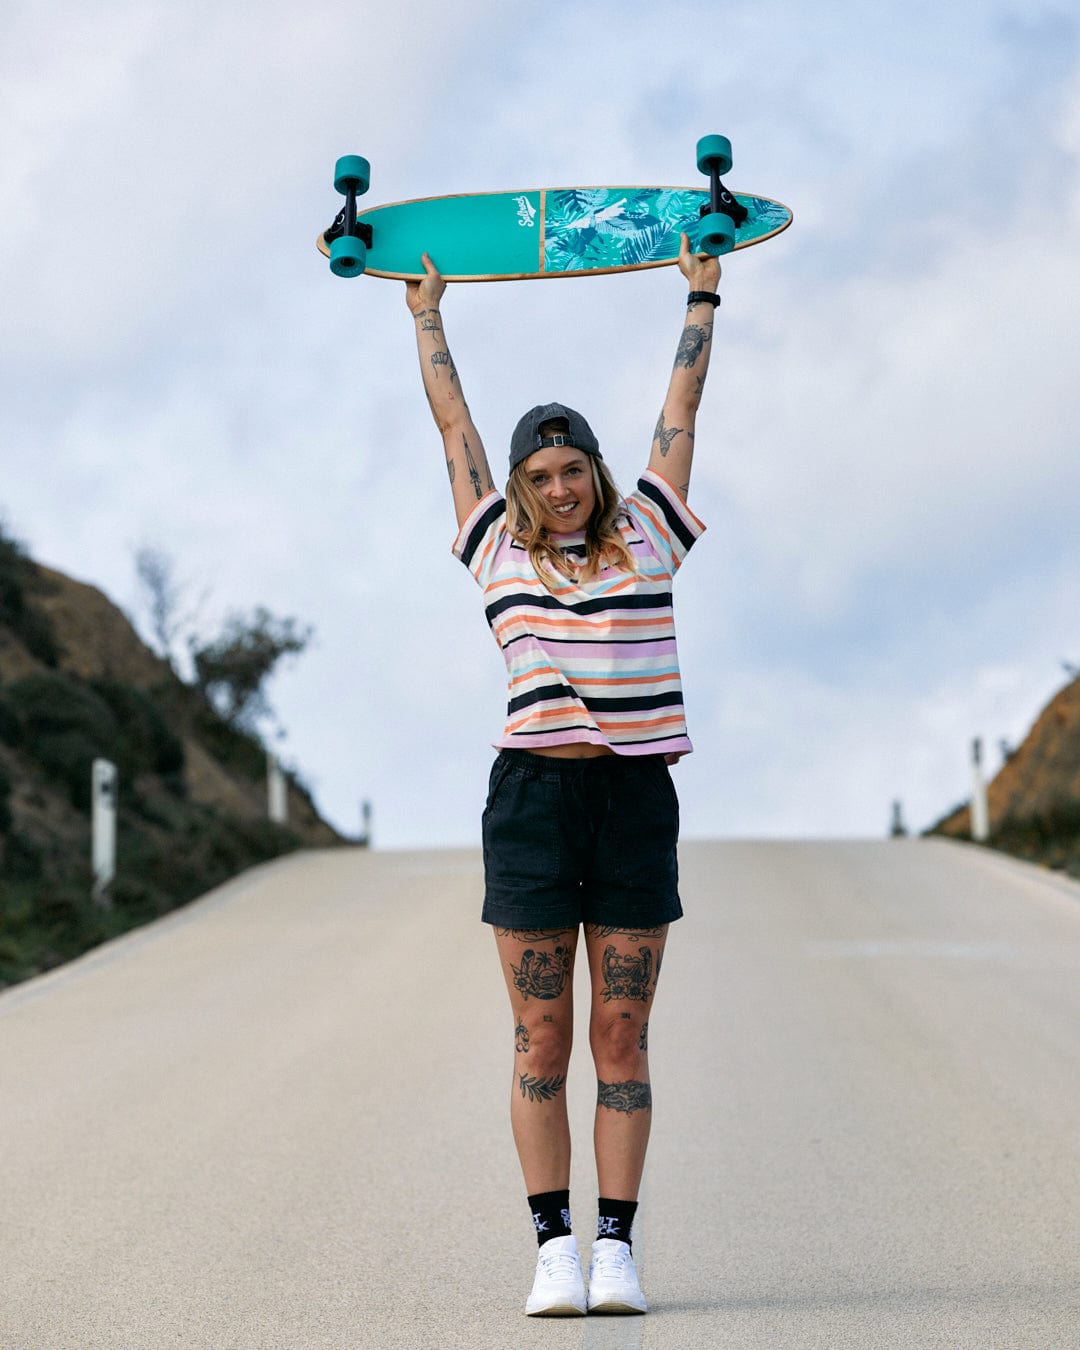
[{"x": 526, "y": 438}]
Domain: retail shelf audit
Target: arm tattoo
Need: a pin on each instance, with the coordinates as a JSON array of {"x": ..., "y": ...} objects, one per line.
[
  {"x": 627, "y": 976},
  {"x": 443, "y": 358},
  {"x": 628, "y": 1097},
  {"x": 451, "y": 469},
  {"x": 643, "y": 1039},
  {"x": 540, "y": 1089},
  {"x": 664, "y": 435},
  {"x": 474, "y": 472},
  {"x": 692, "y": 344},
  {"x": 429, "y": 322},
  {"x": 521, "y": 1038},
  {"x": 542, "y": 974}
]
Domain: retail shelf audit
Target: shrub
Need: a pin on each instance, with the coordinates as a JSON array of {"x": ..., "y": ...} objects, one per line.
[
  {"x": 241, "y": 751},
  {"x": 66, "y": 726},
  {"x": 1051, "y": 837},
  {"x": 5, "y": 808},
  {"x": 23, "y": 859},
  {"x": 29, "y": 624},
  {"x": 151, "y": 743},
  {"x": 11, "y": 728}
]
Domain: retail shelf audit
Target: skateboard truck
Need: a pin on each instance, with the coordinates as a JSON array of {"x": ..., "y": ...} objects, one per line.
[
  {"x": 349, "y": 239},
  {"x": 724, "y": 213}
]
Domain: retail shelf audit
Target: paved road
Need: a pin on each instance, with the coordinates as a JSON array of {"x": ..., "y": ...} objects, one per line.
[{"x": 276, "y": 1119}]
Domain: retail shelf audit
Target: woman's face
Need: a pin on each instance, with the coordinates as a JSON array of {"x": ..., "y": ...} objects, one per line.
[{"x": 563, "y": 477}]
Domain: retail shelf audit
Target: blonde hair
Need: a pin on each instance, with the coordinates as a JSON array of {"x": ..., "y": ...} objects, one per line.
[{"x": 525, "y": 512}]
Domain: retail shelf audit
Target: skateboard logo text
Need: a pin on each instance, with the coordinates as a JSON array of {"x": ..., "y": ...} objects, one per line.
[{"x": 526, "y": 212}]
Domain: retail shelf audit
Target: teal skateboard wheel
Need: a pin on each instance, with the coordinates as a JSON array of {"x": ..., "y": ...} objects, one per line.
[
  {"x": 348, "y": 256},
  {"x": 714, "y": 151},
  {"x": 352, "y": 171},
  {"x": 717, "y": 234}
]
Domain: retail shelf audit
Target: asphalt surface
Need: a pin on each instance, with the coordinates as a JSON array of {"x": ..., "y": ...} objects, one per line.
[{"x": 278, "y": 1117}]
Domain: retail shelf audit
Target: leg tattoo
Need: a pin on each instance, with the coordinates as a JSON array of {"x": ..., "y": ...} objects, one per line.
[
  {"x": 627, "y": 976},
  {"x": 540, "y": 1089},
  {"x": 539, "y": 934},
  {"x": 542, "y": 974},
  {"x": 599, "y": 930},
  {"x": 628, "y": 1097}
]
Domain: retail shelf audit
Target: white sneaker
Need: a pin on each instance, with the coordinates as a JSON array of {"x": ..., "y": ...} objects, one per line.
[
  {"x": 558, "y": 1290},
  {"x": 613, "y": 1281}
]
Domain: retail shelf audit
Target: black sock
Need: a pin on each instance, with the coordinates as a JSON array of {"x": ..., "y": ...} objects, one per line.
[
  {"x": 551, "y": 1215},
  {"x": 616, "y": 1219}
]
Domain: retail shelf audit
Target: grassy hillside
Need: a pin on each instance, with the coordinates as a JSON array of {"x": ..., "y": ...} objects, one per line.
[{"x": 76, "y": 683}]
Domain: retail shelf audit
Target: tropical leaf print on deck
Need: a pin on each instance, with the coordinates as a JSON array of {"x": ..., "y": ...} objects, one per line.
[
  {"x": 765, "y": 217},
  {"x": 597, "y": 229},
  {"x": 593, "y": 228}
]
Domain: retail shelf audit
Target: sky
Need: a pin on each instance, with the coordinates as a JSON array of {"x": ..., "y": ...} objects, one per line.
[{"x": 886, "y": 452}]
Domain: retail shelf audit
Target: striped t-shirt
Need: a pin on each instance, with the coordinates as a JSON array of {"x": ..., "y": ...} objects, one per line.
[{"x": 595, "y": 660}]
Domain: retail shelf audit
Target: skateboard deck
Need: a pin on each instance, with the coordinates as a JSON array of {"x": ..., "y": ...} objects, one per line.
[{"x": 548, "y": 232}]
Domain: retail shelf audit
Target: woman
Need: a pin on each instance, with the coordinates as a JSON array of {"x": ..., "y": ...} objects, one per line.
[{"x": 581, "y": 821}]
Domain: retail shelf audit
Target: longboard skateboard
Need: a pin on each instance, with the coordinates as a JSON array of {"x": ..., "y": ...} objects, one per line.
[{"x": 546, "y": 232}]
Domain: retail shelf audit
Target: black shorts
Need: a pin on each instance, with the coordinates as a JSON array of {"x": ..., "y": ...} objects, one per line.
[{"x": 569, "y": 841}]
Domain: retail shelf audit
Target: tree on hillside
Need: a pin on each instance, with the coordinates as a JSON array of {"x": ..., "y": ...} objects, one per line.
[
  {"x": 232, "y": 670},
  {"x": 162, "y": 594},
  {"x": 165, "y": 600}
]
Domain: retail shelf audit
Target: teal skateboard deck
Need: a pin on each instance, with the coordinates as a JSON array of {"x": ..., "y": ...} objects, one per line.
[{"x": 548, "y": 232}]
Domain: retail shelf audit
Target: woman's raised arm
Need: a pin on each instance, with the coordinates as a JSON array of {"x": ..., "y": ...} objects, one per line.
[
  {"x": 466, "y": 461},
  {"x": 673, "y": 440}
]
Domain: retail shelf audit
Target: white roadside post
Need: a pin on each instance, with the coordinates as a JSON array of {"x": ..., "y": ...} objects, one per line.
[
  {"x": 103, "y": 830},
  {"x": 276, "y": 788},
  {"x": 980, "y": 811}
]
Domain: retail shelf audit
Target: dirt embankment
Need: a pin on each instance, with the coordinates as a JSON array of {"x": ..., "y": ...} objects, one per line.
[{"x": 1034, "y": 800}]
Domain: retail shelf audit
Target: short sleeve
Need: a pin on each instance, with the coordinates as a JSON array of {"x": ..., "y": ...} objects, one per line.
[
  {"x": 481, "y": 533},
  {"x": 664, "y": 519}
]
